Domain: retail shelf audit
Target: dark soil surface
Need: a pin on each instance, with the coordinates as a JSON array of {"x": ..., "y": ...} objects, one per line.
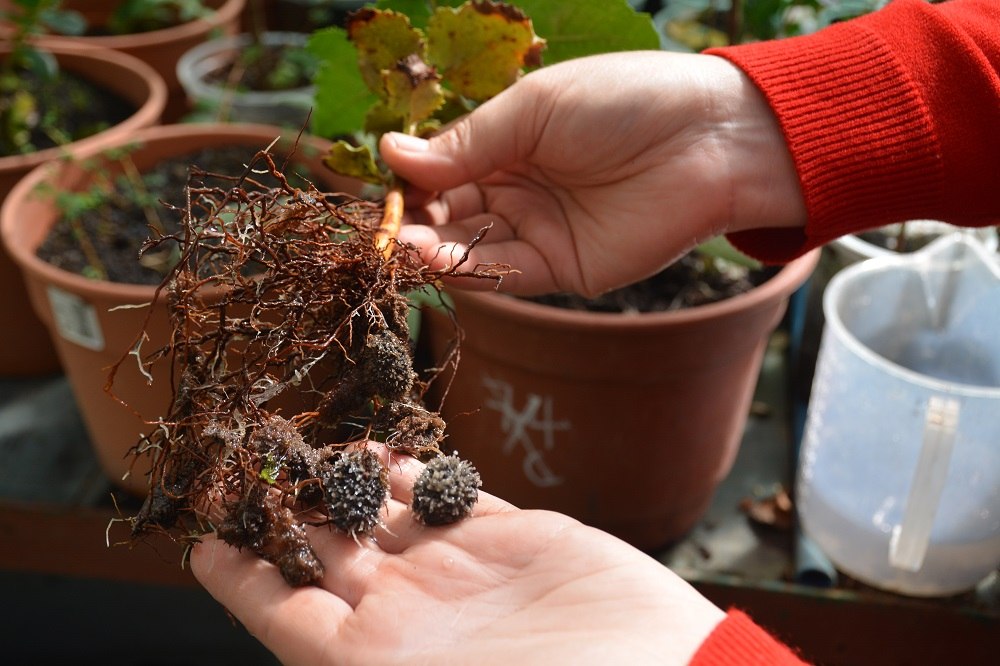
[
  {"x": 79, "y": 109},
  {"x": 690, "y": 281},
  {"x": 266, "y": 68},
  {"x": 118, "y": 229}
]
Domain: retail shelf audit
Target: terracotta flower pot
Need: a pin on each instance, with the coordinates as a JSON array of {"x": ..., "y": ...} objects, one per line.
[
  {"x": 625, "y": 422},
  {"x": 89, "y": 334},
  {"x": 161, "y": 49},
  {"x": 310, "y": 15},
  {"x": 26, "y": 349}
]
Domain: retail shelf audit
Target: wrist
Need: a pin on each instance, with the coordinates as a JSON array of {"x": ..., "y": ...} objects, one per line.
[{"x": 764, "y": 185}]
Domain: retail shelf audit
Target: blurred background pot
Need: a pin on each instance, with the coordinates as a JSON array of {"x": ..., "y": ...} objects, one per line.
[
  {"x": 627, "y": 422},
  {"x": 198, "y": 69},
  {"x": 88, "y": 326},
  {"x": 26, "y": 349},
  {"x": 160, "y": 49},
  {"x": 310, "y": 15}
]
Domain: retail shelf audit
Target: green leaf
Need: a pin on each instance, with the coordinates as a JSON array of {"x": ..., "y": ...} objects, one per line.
[
  {"x": 40, "y": 63},
  {"x": 380, "y": 120},
  {"x": 586, "y": 27},
  {"x": 18, "y": 116},
  {"x": 419, "y": 11},
  {"x": 720, "y": 248},
  {"x": 342, "y": 99},
  {"x": 354, "y": 161},
  {"x": 481, "y": 48},
  {"x": 382, "y": 39},
  {"x": 270, "y": 469},
  {"x": 63, "y": 22},
  {"x": 573, "y": 29}
]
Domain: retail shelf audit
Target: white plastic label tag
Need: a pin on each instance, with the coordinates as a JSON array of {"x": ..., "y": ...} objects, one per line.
[{"x": 75, "y": 319}]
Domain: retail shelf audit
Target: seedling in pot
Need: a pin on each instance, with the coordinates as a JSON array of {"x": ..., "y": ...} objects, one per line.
[
  {"x": 90, "y": 217},
  {"x": 28, "y": 76}
]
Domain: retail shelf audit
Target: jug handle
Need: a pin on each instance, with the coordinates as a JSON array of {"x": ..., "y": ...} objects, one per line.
[{"x": 910, "y": 538}]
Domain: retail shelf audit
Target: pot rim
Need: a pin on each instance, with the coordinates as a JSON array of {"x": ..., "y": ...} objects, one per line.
[
  {"x": 778, "y": 287},
  {"x": 104, "y": 290},
  {"x": 148, "y": 113},
  {"x": 228, "y": 10}
]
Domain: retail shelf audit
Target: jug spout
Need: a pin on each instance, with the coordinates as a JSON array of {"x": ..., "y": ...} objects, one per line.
[{"x": 951, "y": 263}]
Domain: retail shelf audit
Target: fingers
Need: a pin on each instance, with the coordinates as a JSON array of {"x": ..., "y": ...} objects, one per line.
[
  {"x": 402, "y": 530},
  {"x": 255, "y": 592},
  {"x": 431, "y": 208},
  {"x": 282, "y": 617},
  {"x": 496, "y": 135},
  {"x": 443, "y": 247}
]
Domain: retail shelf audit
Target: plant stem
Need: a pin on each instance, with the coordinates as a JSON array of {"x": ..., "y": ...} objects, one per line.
[
  {"x": 136, "y": 181},
  {"x": 734, "y": 23},
  {"x": 392, "y": 219},
  {"x": 99, "y": 271},
  {"x": 902, "y": 238}
]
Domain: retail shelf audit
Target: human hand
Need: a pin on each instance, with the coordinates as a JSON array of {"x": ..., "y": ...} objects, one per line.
[
  {"x": 503, "y": 586},
  {"x": 597, "y": 172}
]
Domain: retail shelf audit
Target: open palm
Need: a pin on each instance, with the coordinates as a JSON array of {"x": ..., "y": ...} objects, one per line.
[{"x": 504, "y": 586}]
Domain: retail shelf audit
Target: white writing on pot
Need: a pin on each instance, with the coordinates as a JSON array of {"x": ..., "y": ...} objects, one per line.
[{"x": 531, "y": 428}]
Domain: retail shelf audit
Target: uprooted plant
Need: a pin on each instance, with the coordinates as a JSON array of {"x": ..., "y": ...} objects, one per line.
[
  {"x": 423, "y": 78},
  {"x": 290, "y": 351},
  {"x": 29, "y": 81},
  {"x": 420, "y": 70}
]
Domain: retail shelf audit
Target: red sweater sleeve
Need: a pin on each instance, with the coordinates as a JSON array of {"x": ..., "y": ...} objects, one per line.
[
  {"x": 889, "y": 117},
  {"x": 737, "y": 641}
]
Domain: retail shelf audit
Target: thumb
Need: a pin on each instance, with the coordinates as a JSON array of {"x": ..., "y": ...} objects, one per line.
[{"x": 470, "y": 149}]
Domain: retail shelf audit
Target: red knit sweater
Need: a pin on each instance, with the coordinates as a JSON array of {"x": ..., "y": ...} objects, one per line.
[{"x": 889, "y": 117}]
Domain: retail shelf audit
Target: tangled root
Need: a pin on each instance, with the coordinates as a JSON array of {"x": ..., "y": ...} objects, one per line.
[{"x": 290, "y": 349}]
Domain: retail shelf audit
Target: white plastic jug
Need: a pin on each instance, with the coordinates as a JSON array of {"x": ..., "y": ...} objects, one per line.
[{"x": 899, "y": 474}]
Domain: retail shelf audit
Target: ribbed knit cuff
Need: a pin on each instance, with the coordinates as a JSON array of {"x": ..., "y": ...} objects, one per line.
[
  {"x": 858, "y": 130},
  {"x": 737, "y": 641}
]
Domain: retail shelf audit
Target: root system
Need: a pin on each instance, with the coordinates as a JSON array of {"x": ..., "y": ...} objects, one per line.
[{"x": 290, "y": 352}]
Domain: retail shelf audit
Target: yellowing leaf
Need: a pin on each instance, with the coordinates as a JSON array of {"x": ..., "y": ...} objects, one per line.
[
  {"x": 481, "y": 47},
  {"x": 382, "y": 39},
  {"x": 413, "y": 90},
  {"x": 380, "y": 120},
  {"x": 695, "y": 35},
  {"x": 356, "y": 162}
]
